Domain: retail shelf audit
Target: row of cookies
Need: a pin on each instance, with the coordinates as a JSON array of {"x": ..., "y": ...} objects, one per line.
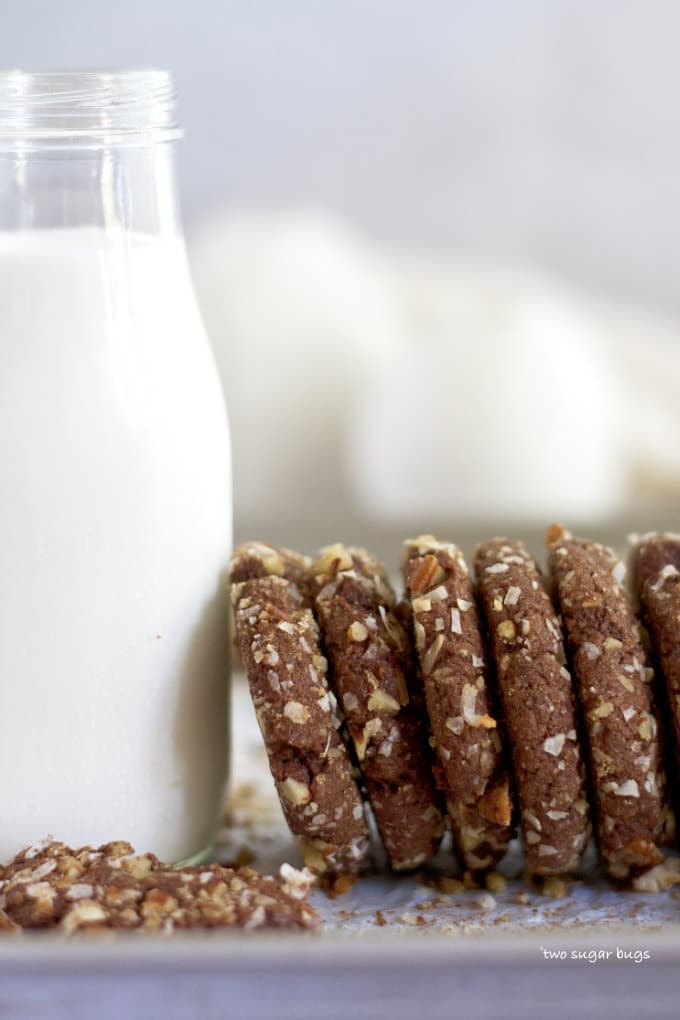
[
  {"x": 460, "y": 699},
  {"x": 314, "y": 762}
]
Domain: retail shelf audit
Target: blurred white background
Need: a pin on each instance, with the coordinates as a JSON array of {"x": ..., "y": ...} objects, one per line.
[
  {"x": 540, "y": 130},
  {"x": 436, "y": 244}
]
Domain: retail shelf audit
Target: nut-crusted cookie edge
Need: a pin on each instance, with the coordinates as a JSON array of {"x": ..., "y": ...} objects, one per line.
[
  {"x": 465, "y": 734},
  {"x": 539, "y": 706},
  {"x": 372, "y": 669},
  {"x": 613, "y": 684},
  {"x": 297, "y": 712}
]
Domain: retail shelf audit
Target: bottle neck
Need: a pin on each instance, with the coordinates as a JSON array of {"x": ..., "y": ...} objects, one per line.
[
  {"x": 88, "y": 148},
  {"x": 130, "y": 188}
]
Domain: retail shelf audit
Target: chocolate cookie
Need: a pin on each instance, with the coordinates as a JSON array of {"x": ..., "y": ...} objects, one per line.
[
  {"x": 656, "y": 567},
  {"x": 539, "y": 706},
  {"x": 257, "y": 559},
  {"x": 471, "y": 768},
  {"x": 50, "y": 885},
  {"x": 371, "y": 665},
  {"x": 297, "y": 712},
  {"x": 616, "y": 700}
]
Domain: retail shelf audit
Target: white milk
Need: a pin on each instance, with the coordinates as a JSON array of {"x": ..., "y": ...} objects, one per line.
[{"x": 115, "y": 528}]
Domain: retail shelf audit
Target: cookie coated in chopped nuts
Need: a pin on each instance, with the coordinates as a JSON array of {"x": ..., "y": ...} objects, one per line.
[
  {"x": 373, "y": 671},
  {"x": 50, "y": 885},
  {"x": 471, "y": 767},
  {"x": 539, "y": 706},
  {"x": 614, "y": 687},
  {"x": 656, "y": 570},
  {"x": 257, "y": 559},
  {"x": 296, "y": 710}
]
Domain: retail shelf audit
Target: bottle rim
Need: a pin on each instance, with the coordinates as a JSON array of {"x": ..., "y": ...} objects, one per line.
[{"x": 87, "y": 107}]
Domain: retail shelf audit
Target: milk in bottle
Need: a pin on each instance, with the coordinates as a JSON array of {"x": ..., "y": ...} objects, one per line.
[{"x": 115, "y": 512}]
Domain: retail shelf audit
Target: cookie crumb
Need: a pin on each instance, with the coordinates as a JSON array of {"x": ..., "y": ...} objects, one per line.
[
  {"x": 450, "y": 885},
  {"x": 555, "y": 887},
  {"x": 338, "y": 885},
  {"x": 495, "y": 882}
]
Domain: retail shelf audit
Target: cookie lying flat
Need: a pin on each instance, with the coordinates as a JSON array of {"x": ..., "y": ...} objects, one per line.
[
  {"x": 471, "y": 764},
  {"x": 616, "y": 699},
  {"x": 372, "y": 669},
  {"x": 656, "y": 563},
  {"x": 296, "y": 710},
  {"x": 50, "y": 885},
  {"x": 539, "y": 706}
]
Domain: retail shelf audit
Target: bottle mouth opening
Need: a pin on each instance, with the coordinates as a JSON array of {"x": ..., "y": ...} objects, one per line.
[{"x": 87, "y": 106}]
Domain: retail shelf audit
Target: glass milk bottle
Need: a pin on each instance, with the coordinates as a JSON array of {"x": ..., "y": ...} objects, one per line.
[{"x": 115, "y": 498}]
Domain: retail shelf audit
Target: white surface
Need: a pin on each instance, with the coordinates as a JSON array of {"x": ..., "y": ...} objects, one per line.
[{"x": 114, "y": 527}]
